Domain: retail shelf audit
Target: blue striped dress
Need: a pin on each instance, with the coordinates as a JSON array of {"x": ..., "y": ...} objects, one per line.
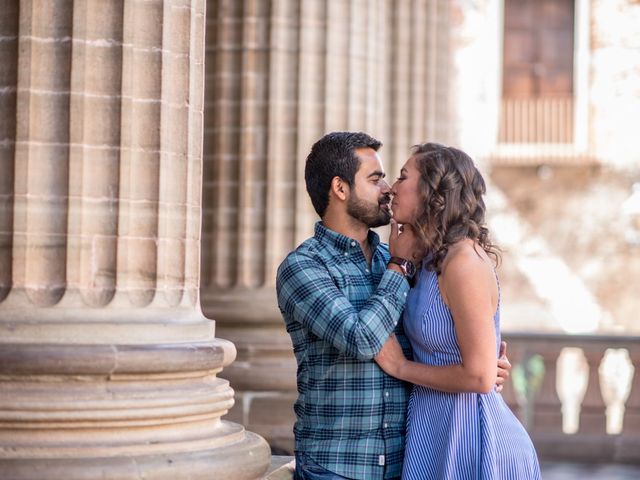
[{"x": 457, "y": 435}]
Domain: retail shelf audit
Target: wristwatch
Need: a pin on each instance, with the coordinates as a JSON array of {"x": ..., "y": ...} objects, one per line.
[{"x": 407, "y": 267}]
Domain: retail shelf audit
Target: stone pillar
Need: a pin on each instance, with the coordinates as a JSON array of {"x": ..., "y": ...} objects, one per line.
[
  {"x": 280, "y": 74},
  {"x": 547, "y": 408},
  {"x": 418, "y": 78},
  {"x": 107, "y": 365}
]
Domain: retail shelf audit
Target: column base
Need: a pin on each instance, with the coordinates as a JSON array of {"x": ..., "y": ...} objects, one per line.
[
  {"x": 122, "y": 412},
  {"x": 244, "y": 459}
]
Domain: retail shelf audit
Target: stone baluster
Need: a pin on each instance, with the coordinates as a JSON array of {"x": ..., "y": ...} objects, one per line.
[
  {"x": 593, "y": 418},
  {"x": 547, "y": 409},
  {"x": 630, "y": 445},
  {"x": 106, "y": 361},
  {"x": 592, "y": 430},
  {"x": 515, "y": 353},
  {"x": 631, "y": 424}
]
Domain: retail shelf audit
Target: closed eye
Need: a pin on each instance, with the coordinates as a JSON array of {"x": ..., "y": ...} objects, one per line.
[{"x": 375, "y": 177}]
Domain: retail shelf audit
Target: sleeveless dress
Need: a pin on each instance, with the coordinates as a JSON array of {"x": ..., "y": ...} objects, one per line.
[{"x": 456, "y": 435}]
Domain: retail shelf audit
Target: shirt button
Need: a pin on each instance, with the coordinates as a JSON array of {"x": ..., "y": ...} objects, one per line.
[
  {"x": 346, "y": 254},
  {"x": 366, "y": 270},
  {"x": 385, "y": 425},
  {"x": 386, "y": 394},
  {"x": 353, "y": 244},
  {"x": 405, "y": 294}
]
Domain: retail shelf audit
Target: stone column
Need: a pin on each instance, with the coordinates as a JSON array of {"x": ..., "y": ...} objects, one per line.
[
  {"x": 280, "y": 74},
  {"x": 107, "y": 365},
  {"x": 418, "y": 78}
]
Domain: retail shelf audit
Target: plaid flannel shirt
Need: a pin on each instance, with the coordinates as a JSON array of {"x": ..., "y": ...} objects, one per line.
[{"x": 339, "y": 312}]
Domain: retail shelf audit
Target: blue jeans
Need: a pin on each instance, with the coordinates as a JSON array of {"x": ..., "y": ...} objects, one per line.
[{"x": 307, "y": 469}]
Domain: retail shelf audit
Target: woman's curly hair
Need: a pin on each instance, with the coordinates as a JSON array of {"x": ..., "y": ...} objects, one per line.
[{"x": 451, "y": 188}]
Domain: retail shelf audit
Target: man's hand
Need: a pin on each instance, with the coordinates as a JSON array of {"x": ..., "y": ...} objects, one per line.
[
  {"x": 391, "y": 358},
  {"x": 504, "y": 367}
]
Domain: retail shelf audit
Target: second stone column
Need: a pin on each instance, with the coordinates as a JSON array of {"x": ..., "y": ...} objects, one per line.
[{"x": 279, "y": 75}]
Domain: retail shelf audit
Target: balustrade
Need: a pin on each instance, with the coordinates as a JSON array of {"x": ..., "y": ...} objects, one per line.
[{"x": 576, "y": 375}]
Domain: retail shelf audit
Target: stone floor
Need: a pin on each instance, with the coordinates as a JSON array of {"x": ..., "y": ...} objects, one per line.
[{"x": 281, "y": 469}]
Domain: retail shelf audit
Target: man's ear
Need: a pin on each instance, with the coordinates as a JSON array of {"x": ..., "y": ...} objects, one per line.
[{"x": 340, "y": 188}]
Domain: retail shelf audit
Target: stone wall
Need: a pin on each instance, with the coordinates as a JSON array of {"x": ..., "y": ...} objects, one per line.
[
  {"x": 615, "y": 81},
  {"x": 476, "y": 56}
]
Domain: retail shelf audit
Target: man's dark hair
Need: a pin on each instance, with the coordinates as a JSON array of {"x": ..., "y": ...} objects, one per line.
[{"x": 334, "y": 156}]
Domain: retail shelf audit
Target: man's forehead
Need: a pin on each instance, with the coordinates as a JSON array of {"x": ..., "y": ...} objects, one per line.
[{"x": 369, "y": 160}]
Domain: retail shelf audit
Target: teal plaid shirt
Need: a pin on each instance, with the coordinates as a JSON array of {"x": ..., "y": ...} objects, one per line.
[{"x": 339, "y": 312}]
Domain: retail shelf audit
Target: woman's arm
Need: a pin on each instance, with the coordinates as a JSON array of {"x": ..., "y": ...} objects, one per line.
[{"x": 469, "y": 290}]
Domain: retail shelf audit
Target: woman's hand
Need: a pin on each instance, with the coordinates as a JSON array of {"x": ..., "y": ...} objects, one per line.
[
  {"x": 504, "y": 367},
  {"x": 391, "y": 358},
  {"x": 404, "y": 242}
]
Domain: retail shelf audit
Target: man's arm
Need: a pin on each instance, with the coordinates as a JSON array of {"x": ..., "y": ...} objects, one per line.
[
  {"x": 394, "y": 353},
  {"x": 307, "y": 294},
  {"x": 472, "y": 312}
]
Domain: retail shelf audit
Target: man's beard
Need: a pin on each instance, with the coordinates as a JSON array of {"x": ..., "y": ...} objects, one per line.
[{"x": 371, "y": 214}]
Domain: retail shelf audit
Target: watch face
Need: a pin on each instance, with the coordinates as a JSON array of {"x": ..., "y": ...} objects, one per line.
[{"x": 410, "y": 269}]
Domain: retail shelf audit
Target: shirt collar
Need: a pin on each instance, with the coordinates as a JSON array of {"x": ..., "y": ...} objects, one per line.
[{"x": 342, "y": 242}]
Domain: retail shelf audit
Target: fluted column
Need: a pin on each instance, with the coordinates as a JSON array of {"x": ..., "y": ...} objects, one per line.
[
  {"x": 418, "y": 79},
  {"x": 107, "y": 365},
  {"x": 280, "y": 74}
]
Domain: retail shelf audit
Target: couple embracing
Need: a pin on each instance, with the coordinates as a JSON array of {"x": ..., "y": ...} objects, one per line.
[{"x": 398, "y": 345}]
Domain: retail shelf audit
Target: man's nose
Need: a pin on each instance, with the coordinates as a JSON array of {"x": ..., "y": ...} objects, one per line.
[{"x": 384, "y": 186}]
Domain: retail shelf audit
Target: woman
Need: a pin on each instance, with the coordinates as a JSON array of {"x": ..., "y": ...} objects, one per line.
[{"x": 458, "y": 427}]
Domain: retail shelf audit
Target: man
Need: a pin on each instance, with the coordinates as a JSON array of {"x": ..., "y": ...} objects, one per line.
[{"x": 341, "y": 294}]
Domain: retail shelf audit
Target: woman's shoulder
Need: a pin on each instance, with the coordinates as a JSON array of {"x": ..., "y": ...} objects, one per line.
[
  {"x": 468, "y": 265},
  {"x": 466, "y": 259}
]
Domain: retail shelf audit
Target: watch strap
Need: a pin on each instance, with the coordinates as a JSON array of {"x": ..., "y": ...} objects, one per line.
[{"x": 407, "y": 267}]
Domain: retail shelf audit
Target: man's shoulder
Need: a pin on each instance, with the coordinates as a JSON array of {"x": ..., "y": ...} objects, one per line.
[
  {"x": 307, "y": 251},
  {"x": 309, "y": 248}
]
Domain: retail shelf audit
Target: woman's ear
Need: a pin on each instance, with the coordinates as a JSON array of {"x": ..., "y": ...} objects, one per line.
[{"x": 340, "y": 188}]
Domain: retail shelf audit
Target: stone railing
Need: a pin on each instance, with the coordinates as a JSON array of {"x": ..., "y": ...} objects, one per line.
[{"x": 577, "y": 395}]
